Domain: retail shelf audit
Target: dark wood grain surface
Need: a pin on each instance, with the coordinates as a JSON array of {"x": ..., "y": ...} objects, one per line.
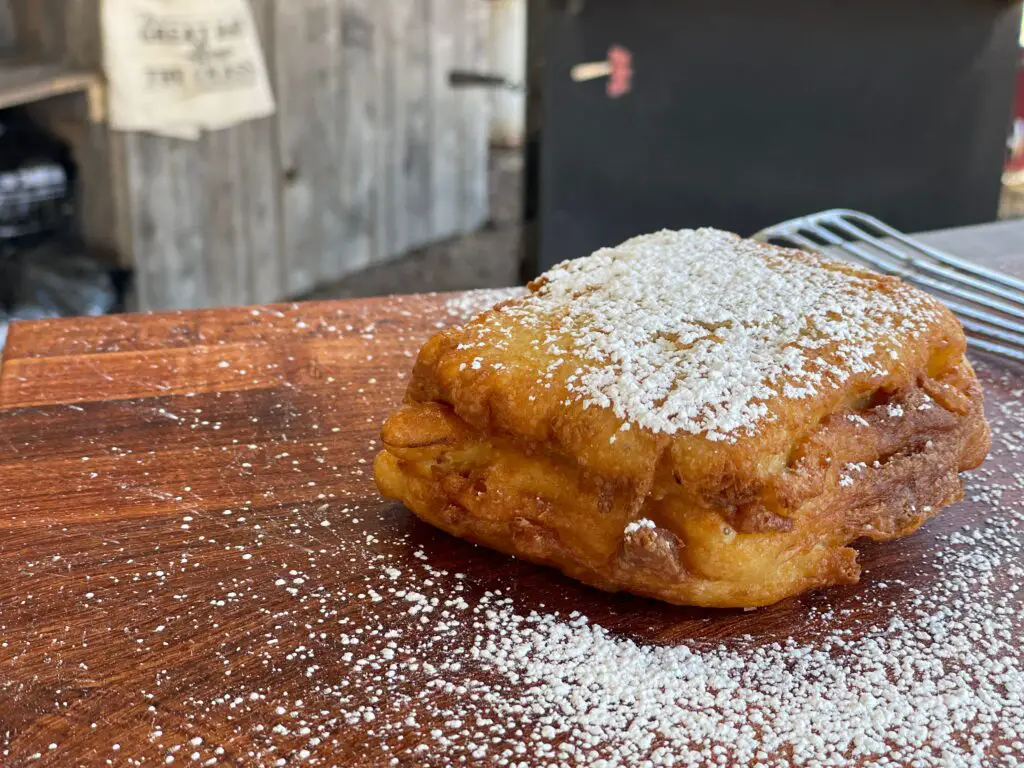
[{"x": 197, "y": 569}]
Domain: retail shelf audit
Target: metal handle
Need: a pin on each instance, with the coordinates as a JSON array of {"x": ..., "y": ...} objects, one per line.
[{"x": 464, "y": 79}]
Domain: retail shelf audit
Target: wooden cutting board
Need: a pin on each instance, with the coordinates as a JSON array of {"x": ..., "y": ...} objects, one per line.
[{"x": 198, "y": 571}]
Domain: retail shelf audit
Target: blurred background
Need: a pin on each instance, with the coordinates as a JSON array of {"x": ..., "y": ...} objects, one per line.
[{"x": 434, "y": 145}]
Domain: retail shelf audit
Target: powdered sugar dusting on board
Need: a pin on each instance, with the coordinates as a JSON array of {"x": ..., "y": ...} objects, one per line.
[
  {"x": 464, "y": 677},
  {"x": 359, "y": 643},
  {"x": 460, "y": 675},
  {"x": 695, "y": 330}
]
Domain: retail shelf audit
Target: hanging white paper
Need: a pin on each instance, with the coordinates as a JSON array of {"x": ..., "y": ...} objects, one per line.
[{"x": 178, "y": 67}]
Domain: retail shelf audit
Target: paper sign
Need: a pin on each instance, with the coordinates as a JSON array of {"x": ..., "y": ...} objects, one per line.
[{"x": 178, "y": 67}]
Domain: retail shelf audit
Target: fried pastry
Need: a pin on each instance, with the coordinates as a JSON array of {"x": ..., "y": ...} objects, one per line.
[{"x": 691, "y": 416}]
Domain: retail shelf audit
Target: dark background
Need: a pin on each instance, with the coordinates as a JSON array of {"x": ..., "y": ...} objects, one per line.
[{"x": 744, "y": 113}]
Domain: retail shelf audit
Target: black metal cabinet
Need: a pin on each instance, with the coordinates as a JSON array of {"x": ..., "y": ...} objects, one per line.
[{"x": 743, "y": 113}]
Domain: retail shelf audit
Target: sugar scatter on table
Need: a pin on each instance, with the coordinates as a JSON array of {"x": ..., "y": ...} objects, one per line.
[{"x": 266, "y": 608}]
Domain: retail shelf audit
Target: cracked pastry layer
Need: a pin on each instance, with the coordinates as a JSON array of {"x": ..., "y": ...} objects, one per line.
[{"x": 536, "y": 429}]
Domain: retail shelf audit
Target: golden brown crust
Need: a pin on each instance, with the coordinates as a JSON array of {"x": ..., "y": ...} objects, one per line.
[{"x": 496, "y": 444}]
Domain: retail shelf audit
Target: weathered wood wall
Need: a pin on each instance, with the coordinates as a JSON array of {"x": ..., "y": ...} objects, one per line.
[
  {"x": 371, "y": 152},
  {"x": 507, "y": 54},
  {"x": 6, "y": 28}
]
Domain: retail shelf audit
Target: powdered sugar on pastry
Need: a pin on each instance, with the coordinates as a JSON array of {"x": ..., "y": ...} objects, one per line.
[
  {"x": 638, "y": 525},
  {"x": 696, "y": 330}
]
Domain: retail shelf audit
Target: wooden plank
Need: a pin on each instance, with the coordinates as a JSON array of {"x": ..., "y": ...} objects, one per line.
[
  {"x": 83, "y": 37},
  {"x": 165, "y": 185},
  {"x": 243, "y": 254},
  {"x": 188, "y": 239},
  {"x": 446, "y": 192},
  {"x": 67, "y": 31},
  {"x": 41, "y": 30},
  {"x": 226, "y": 529},
  {"x": 241, "y": 215},
  {"x": 474, "y": 203},
  {"x": 349, "y": 172},
  {"x": 307, "y": 62},
  {"x": 259, "y": 164},
  {"x": 233, "y": 235},
  {"x": 391, "y": 193},
  {"x": 415, "y": 77},
  {"x": 999, "y": 245},
  {"x": 22, "y": 83},
  {"x": 102, "y": 186},
  {"x": 360, "y": 123},
  {"x": 149, "y": 179}
]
